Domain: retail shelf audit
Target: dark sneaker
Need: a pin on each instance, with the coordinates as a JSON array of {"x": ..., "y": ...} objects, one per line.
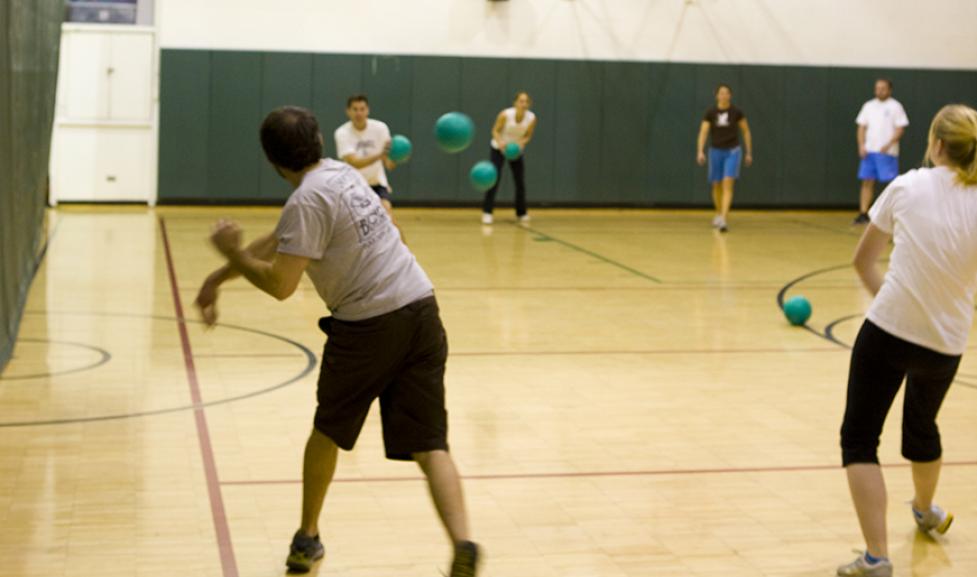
[
  {"x": 862, "y": 218},
  {"x": 466, "y": 560},
  {"x": 305, "y": 551}
]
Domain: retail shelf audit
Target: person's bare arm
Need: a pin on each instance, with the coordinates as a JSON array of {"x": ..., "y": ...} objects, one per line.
[
  {"x": 866, "y": 259},
  {"x": 900, "y": 130},
  {"x": 748, "y": 141},
  {"x": 701, "y": 144},
  {"x": 529, "y": 134},
  {"x": 860, "y": 135},
  {"x": 497, "y": 128},
  {"x": 263, "y": 248},
  {"x": 279, "y": 277},
  {"x": 363, "y": 162}
]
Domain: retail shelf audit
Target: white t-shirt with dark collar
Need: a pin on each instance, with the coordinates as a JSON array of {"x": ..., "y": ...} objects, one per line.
[
  {"x": 927, "y": 297},
  {"x": 364, "y": 143}
]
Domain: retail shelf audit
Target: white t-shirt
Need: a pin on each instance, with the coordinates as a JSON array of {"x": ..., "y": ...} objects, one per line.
[
  {"x": 513, "y": 131},
  {"x": 927, "y": 297},
  {"x": 881, "y": 119},
  {"x": 359, "y": 265},
  {"x": 364, "y": 143}
]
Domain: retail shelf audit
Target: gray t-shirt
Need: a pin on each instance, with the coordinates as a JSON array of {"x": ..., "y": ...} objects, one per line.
[{"x": 358, "y": 265}]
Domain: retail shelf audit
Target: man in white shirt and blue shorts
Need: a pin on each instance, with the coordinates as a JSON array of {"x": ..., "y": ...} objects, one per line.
[{"x": 881, "y": 123}]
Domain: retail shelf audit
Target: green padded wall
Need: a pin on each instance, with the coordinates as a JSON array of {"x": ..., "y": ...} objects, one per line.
[
  {"x": 435, "y": 177},
  {"x": 30, "y": 35},
  {"x": 610, "y": 133}
]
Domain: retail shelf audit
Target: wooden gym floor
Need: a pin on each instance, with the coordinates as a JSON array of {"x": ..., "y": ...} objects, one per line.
[{"x": 625, "y": 400}]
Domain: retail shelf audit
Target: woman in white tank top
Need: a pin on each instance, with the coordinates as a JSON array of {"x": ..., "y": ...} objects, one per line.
[
  {"x": 512, "y": 125},
  {"x": 916, "y": 328}
]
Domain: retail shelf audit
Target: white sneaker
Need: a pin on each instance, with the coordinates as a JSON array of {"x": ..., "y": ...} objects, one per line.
[
  {"x": 935, "y": 519},
  {"x": 716, "y": 221},
  {"x": 524, "y": 219},
  {"x": 486, "y": 218}
]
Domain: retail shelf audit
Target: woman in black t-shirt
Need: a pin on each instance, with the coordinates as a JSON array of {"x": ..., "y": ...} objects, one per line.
[{"x": 722, "y": 124}]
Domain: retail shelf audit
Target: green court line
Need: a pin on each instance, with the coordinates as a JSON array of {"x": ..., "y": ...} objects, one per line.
[{"x": 550, "y": 238}]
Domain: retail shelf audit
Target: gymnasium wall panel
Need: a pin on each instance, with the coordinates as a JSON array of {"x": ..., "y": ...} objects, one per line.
[
  {"x": 576, "y": 128},
  {"x": 761, "y": 89},
  {"x": 610, "y": 133},
  {"x": 804, "y": 138},
  {"x": 234, "y": 157},
  {"x": 674, "y": 118},
  {"x": 185, "y": 127},
  {"x": 436, "y": 88},
  {"x": 286, "y": 79},
  {"x": 625, "y": 134}
]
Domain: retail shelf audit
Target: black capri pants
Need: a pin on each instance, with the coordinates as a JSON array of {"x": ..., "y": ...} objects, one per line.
[
  {"x": 518, "y": 173},
  {"x": 879, "y": 363}
]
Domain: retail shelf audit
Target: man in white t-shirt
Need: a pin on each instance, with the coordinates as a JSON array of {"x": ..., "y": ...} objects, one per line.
[
  {"x": 881, "y": 123},
  {"x": 364, "y": 144}
]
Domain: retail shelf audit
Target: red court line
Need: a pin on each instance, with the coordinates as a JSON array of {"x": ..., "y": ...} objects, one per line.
[
  {"x": 224, "y": 545},
  {"x": 593, "y": 474}
]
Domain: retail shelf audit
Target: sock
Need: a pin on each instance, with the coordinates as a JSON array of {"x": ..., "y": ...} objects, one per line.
[{"x": 873, "y": 560}]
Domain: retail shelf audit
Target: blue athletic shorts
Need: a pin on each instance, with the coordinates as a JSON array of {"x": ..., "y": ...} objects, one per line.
[
  {"x": 724, "y": 163},
  {"x": 878, "y": 166}
]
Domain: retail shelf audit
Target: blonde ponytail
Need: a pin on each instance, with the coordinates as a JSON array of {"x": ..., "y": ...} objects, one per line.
[{"x": 956, "y": 126}]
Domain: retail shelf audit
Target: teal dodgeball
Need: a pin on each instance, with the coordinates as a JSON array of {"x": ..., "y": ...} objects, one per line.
[
  {"x": 454, "y": 132},
  {"x": 400, "y": 148},
  {"x": 513, "y": 151},
  {"x": 483, "y": 175},
  {"x": 797, "y": 310}
]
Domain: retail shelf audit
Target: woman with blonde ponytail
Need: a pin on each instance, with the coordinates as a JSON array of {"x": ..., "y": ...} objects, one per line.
[
  {"x": 916, "y": 328},
  {"x": 956, "y": 128}
]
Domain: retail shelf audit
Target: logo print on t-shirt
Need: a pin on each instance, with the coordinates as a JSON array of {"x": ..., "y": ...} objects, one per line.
[
  {"x": 363, "y": 147},
  {"x": 368, "y": 213},
  {"x": 722, "y": 119}
]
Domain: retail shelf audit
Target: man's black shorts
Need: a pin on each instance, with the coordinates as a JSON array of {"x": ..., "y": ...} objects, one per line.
[{"x": 399, "y": 358}]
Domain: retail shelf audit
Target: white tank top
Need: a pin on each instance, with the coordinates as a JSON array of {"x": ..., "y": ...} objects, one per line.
[{"x": 513, "y": 131}]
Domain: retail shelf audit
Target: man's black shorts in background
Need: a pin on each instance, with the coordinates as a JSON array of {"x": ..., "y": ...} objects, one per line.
[
  {"x": 399, "y": 358},
  {"x": 382, "y": 191}
]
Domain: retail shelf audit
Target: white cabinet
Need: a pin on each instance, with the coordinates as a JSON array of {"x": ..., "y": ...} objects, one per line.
[
  {"x": 104, "y": 142},
  {"x": 102, "y": 164}
]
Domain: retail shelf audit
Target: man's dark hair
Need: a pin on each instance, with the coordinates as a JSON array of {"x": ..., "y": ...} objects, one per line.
[
  {"x": 886, "y": 80},
  {"x": 290, "y": 138},
  {"x": 357, "y": 98},
  {"x": 726, "y": 86}
]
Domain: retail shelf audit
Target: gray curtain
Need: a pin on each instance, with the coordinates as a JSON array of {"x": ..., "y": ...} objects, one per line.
[{"x": 30, "y": 36}]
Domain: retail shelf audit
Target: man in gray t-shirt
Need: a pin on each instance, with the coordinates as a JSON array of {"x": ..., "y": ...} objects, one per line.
[
  {"x": 385, "y": 336},
  {"x": 356, "y": 260}
]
